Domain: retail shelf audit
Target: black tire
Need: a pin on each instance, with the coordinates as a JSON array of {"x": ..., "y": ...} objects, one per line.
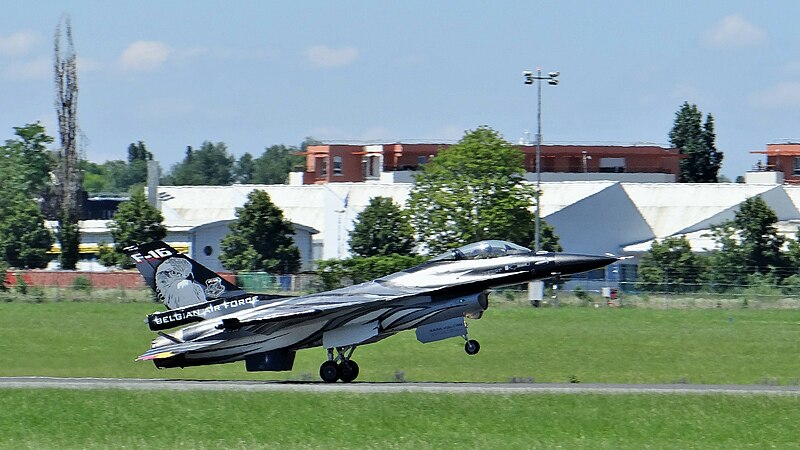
[
  {"x": 472, "y": 347},
  {"x": 348, "y": 371},
  {"x": 329, "y": 372}
]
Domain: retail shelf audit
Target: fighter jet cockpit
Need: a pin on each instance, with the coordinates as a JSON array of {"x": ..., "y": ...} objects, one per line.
[{"x": 482, "y": 250}]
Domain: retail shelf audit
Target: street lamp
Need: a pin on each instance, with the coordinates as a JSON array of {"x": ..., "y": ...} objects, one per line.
[{"x": 552, "y": 79}]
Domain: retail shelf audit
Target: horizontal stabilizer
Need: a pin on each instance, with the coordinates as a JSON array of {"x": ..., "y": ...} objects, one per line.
[{"x": 167, "y": 351}]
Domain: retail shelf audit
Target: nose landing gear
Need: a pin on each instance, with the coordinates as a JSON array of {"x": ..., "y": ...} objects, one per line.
[
  {"x": 340, "y": 367},
  {"x": 472, "y": 347}
]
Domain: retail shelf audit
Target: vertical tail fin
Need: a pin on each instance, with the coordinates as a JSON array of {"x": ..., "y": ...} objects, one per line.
[{"x": 177, "y": 279}]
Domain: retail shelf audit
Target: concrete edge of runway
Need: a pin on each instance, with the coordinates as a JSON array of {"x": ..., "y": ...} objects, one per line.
[{"x": 388, "y": 387}]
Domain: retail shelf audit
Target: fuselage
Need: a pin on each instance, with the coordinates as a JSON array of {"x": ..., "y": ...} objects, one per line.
[{"x": 446, "y": 287}]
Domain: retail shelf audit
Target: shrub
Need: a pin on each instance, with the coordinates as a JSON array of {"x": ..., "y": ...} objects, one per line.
[
  {"x": 22, "y": 285},
  {"x": 82, "y": 284},
  {"x": 582, "y": 295}
]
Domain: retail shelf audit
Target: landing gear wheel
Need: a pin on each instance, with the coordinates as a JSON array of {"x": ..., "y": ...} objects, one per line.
[
  {"x": 348, "y": 371},
  {"x": 472, "y": 347},
  {"x": 329, "y": 372}
]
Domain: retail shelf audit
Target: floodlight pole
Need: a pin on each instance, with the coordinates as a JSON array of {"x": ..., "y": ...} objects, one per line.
[{"x": 551, "y": 80}]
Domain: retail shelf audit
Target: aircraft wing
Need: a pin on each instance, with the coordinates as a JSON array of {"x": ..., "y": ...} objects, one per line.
[
  {"x": 360, "y": 297},
  {"x": 275, "y": 314},
  {"x": 167, "y": 351}
]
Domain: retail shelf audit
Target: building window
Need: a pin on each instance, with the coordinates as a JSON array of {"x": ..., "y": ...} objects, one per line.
[
  {"x": 612, "y": 165},
  {"x": 371, "y": 166},
  {"x": 207, "y": 250},
  {"x": 796, "y": 165},
  {"x": 323, "y": 169},
  {"x": 422, "y": 160},
  {"x": 337, "y": 165}
]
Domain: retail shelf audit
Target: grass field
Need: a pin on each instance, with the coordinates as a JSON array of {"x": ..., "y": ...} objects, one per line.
[
  {"x": 622, "y": 345},
  {"x": 116, "y": 419},
  {"x": 519, "y": 343}
]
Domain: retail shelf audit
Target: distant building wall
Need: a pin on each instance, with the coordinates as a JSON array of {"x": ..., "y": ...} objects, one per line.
[
  {"x": 99, "y": 280},
  {"x": 783, "y": 158},
  {"x": 358, "y": 163}
]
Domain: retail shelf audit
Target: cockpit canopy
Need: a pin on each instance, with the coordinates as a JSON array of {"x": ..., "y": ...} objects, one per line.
[{"x": 482, "y": 250}]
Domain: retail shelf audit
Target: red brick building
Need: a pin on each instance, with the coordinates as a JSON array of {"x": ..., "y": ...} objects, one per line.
[
  {"x": 355, "y": 163},
  {"x": 784, "y": 158}
]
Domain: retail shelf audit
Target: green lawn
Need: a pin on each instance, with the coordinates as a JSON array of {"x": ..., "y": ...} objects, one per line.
[
  {"x": 62, "y": 419},
  {"x": 620, "y": 345},
  {"x": 543, "y": 345}
]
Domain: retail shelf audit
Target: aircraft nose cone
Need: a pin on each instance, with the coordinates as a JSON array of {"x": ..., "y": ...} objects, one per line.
[{"x": 566, "y": 263}]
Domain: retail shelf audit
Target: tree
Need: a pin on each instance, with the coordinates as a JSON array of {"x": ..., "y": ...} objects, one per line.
[
  {"x": 135, "y": 221},
  {"x": 118, "y": 175},
  {"x": 727, "y": 264},
  {"x": 357, "y": 270},
  {"x": 244, "y": 170},
  {"x": 260, "y": 238},
  {"x": 308, "y": 141},
  {"x": 210, "y": 165},
  {"x": 274, "y": 165},
  {"x": 670, "y": 266},
  {"x": 697, "y": 142},
  {"x": 136, "y": 172},
  {"x": 749, "y": 244},
  {"x": 792, "y": 255},
  {"x": 24, "y": 238},
  {"x": 32, "y": 159},
  {"x": 761, "y": 243},
  {"x": 382, "y": 228},
  {"x": 68, "y": 176},
  {"x": 105, "y": 177},
  {"x": 474, "y": 190}
]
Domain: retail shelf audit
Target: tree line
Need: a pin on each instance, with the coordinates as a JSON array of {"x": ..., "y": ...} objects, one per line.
[
  {"x": 211, "y": 164},
  {"x": 470, "y": 191}
]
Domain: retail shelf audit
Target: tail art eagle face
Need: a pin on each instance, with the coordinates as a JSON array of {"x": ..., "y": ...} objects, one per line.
[{"x": 174, "y": 285}]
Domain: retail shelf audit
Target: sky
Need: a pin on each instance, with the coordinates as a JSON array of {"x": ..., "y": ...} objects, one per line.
[{"x": 253, "y": 74}]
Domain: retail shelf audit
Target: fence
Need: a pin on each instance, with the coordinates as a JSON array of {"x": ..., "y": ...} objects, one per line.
[
  {"x": 588, "y": 289},
  {"x": 60, "y": 282},
  {"x": 262, "y": 282}
]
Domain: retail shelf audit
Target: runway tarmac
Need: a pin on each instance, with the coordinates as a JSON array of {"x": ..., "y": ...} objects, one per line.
[{"x": 388, "y": 387}]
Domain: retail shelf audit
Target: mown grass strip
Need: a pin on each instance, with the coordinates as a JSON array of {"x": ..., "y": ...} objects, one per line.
[
  {"x": 605, "y": 345},
  {"x": 116, "y": 419}
]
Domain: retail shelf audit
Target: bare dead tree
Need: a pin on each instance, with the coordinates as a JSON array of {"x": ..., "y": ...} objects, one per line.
[{"x": 68, "y": 176}]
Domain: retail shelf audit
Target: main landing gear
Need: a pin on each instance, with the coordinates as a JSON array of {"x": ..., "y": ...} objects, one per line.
[{"x": 340, "y": 367}]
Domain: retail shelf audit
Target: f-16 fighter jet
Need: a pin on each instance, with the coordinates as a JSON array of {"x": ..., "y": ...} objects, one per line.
[{"x": 222, "y": 323}]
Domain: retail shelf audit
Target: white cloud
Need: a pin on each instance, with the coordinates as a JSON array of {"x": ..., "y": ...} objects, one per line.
[
  {"x": 735, "y": 31},
  {"x": 324, "y": 56},
  {"x": 36, "y": 69},
  {"x": 144, "y": 56},
  {"x": 18, "y": 43},
  {"x": 781, "y": 96}
]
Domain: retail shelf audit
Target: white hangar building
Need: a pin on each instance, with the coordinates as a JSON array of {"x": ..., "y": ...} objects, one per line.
[
  {"x": 589, "y": 216},
  {"x": 593, "y": 217}
]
